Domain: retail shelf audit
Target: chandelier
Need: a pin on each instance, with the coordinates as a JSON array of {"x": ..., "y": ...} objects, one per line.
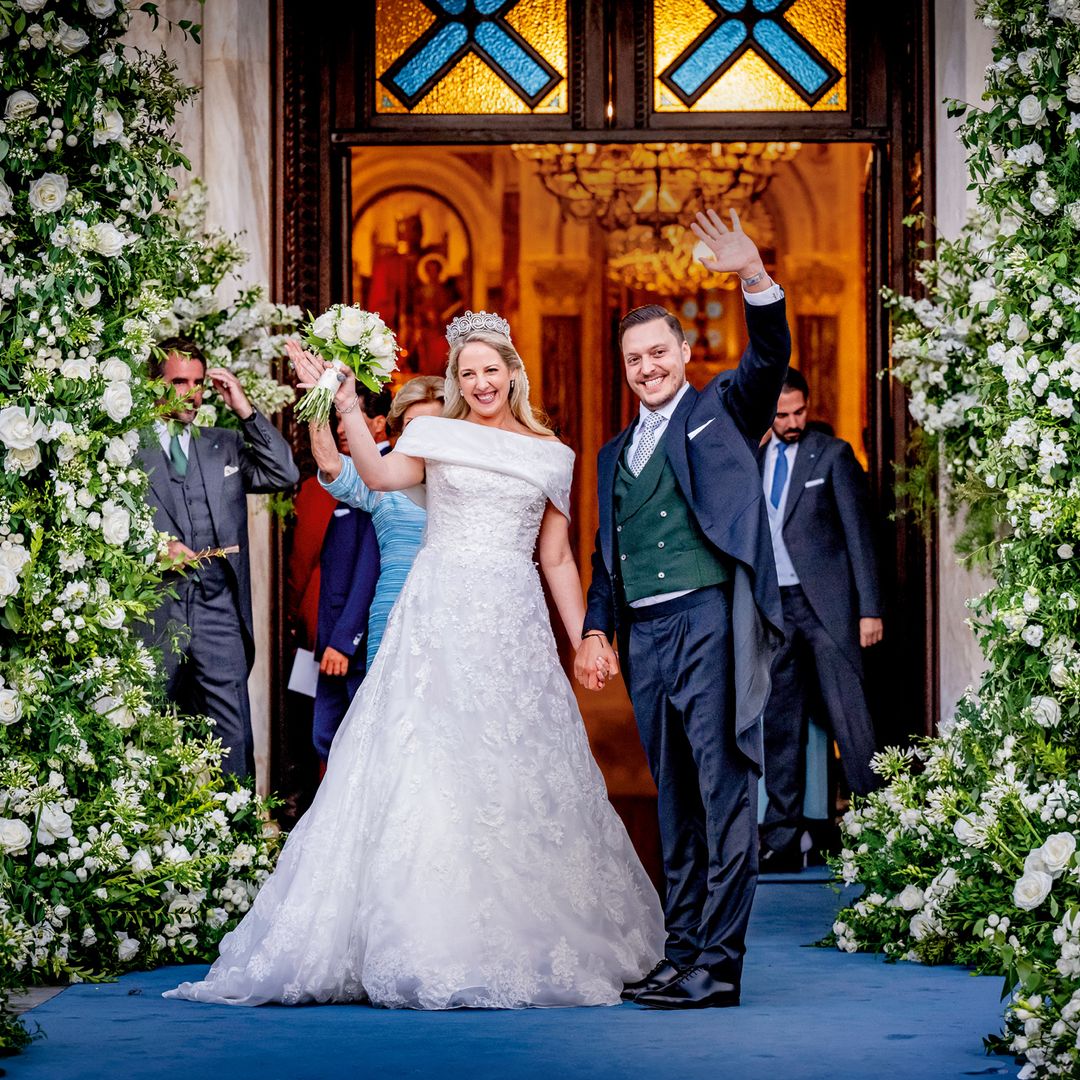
[{"x": 645, "y": 195}]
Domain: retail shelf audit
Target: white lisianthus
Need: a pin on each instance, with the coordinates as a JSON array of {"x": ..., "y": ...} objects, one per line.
[
  {"x": 48, "y": 193},
  {"x": 117, "y": 452},
  {"x": 101, "y": 9},
  {"x": 1059, "y": 674},
  {"x": 70, "y": 39},
  {"x": 10, "y": 706},
  {"x": 351, "y": 326},
  {"x": 1046, "y": 710},
  {"x": 108, "y": 127},
  {"x": 141, "y": 862},
  {"x": 89, "y": 297},
  {"x": 116, "y": 711},
  {"x": 911, "y": 898},
  {"x": 20, "y": 106},
  {"x": 1056, "y": 852},
  {"x": 116, "y": 400},
  {"x": 115, "y": 371},
  {"x": 1032, "y": 889},
  {"x": 15, "y": 836},
  {"x": 965, "y": 832},
  {"x": 1033, "y": 635},
  {"x": 54, "y": 823},
  {"x": 106, "y": 239},
  {"x": 7, "y": 200},
  {"x": 77, "y": 367},
  {"x": 178, "y": 853},
  {"x": 1065, "y": 551},
  {"x": 982, "y": 291},
  {"x": 323, "y": 326},
  {"x": 23, "y": 461},
  {"x": 20, "y": 428},
  {"x": 115, "y": 524},
  {"x": 1032, "y": 111},
  {"x": 111, "y": 617},
  {"x": 126, "y": 947}
]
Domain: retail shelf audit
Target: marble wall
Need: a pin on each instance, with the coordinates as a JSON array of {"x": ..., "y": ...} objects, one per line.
[
  {"x": 963, "y": 49},
  {"x": 225, "y": 133}
]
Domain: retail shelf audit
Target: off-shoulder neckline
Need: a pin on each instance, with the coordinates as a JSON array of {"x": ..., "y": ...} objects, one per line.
[{"x": 550, "y": 440}]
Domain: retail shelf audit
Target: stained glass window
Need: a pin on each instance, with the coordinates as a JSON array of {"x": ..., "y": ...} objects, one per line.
[
  {"x": 749, "y": 55},
  {"x": 471, "y": 56}
]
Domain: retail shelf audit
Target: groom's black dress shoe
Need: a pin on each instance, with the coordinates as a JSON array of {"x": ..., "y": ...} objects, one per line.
[
  {"x": 694, "y": 988},
  {"x": 660, "y": 976}
]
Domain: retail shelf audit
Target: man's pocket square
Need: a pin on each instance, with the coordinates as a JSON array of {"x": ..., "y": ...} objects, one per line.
[
  {"x": 230, "y": 469},
  {"x": 814, "y": 483},
  {"x": 341, "y": 511},
  {"x": 698, "y": 430}
]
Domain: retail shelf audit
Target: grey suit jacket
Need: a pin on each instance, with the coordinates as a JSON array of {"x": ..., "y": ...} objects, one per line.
[
  {"x": 234, "y": 465},
  {"x": 828, "y": 534}
]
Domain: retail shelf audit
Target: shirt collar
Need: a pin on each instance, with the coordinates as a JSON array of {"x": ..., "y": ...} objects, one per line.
[{"x": 666, "y": 411}]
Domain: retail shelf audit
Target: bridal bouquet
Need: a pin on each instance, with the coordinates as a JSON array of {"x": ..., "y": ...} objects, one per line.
[{"x": 346, "y": 335}]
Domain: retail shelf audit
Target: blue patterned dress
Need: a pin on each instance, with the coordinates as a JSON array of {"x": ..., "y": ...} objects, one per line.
[{"x": 399, "y": 525}]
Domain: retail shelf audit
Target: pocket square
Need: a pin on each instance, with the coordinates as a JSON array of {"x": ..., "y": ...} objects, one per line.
[
  {"x": 341, "y": 511},
  {"x": 230, "y": 469},
  {"x": 814, "y": 483},
  {"x": 698, "y": 430}
]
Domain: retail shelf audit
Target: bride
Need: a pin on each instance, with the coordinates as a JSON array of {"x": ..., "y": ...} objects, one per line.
[{"x": 461, "y": 850}]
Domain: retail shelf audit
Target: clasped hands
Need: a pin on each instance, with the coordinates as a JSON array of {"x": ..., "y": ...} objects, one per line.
[
  {"x": 595, "y": 661},
  {"x": 309, "y": 369}
]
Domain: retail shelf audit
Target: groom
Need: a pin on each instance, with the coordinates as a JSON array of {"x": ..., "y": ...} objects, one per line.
[{"x": 683, "y": 578}]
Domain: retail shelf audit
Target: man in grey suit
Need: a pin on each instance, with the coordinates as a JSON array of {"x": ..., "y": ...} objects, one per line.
[
  {"x": 817, "y": 501},
  {"x": 199, "y": 483}
]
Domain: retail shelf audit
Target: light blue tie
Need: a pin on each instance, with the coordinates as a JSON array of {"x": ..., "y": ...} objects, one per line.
[{"x": 779, "y": 476}]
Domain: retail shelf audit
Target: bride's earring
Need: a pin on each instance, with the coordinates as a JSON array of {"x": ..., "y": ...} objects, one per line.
[{"x": 511, "y": 386}]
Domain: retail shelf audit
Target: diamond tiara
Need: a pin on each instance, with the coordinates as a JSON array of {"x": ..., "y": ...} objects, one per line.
[{"x": 476, "y": 320}]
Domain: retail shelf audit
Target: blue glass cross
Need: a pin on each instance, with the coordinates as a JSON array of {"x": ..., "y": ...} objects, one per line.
[
  {"x": 462, "y": 26},
  {"x": 742, "y": 25}
]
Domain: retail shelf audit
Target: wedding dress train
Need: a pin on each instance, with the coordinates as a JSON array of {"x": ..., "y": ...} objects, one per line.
[{"x": 461, "y": 850}]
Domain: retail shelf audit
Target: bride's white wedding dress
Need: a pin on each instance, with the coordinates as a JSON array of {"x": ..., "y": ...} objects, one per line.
[{"x": 461, "y": 850}]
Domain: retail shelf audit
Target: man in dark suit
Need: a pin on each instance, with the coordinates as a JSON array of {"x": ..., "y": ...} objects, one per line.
[
  {"x": 817, "y": 502},
  {"x": 349, "y": 572},
  {"x": 683, "y": 578},
  {"x": 199, "y": 485}
]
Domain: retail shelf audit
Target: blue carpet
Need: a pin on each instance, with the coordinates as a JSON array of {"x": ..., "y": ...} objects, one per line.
[{"x": 807, "y": 1014}]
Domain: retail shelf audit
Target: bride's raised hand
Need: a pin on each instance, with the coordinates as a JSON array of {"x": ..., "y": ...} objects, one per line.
[{"x": 309, "y": 369}]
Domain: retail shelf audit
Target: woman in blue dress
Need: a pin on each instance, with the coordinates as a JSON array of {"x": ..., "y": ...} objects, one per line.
[{"x": 399, "y": 517}]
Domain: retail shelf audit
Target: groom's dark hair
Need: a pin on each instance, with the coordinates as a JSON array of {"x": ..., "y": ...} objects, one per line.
[{"x": 650, "y": 313}]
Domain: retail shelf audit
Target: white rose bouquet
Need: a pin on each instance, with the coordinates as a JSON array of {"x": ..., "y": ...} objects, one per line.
[{"x": 346, "y": 335}]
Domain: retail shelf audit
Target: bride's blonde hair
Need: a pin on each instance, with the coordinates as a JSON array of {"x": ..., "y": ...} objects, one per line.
[{"x": 456, "y": 406}]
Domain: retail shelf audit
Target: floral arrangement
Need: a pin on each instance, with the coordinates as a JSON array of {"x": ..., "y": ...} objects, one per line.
[
  {"x": 246, "y": 335},
  {"x": 120, "y": 844},
  {"x": 968, "y": 853},
  {"x": 346, "y": 335}
]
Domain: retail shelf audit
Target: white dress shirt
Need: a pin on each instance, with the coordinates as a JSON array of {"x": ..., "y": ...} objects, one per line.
[
  {"x": 785, "y": 571},
  {"x": 165, "y": 438}
]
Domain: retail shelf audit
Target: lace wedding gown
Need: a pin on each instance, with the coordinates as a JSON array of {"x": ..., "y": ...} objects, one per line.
[{"x": 461, "y": 850}]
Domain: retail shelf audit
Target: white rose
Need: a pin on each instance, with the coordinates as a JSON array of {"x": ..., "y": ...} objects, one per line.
[
  {"x": 15, "y": 836},
  {"x": 54, "y": 823},
  {"x": 10, "y": 707},
  {"x": 911, "y": 898},
  {"x": 1065, "y": 551},
  {"x": 1032, "y": 889},
  {"x": 126, "y": 948},
  {"x": 14, "y": 557},
  {"x": 71, "y": 39},
  {"x": 323, "y": 326},
  {"x": 116, "y": 400},
  {"x": 23, "y": 461},
  {"x": 7, "y": 196},
  {"x": 982, "y": 291},
  {"x": 115, "y": 524},
  {"x": 116, "y": 711},
  {"x": 177, "y": 854},
  {"x": 9, "y": 583},
  {"x": 141, "y": 861},
  {"x": 30, "y": 6},
  {"x": 106, "y": 239},
  {"x": 77, "y": 367},
  {"x": 383, "y": 347},
  {"x": 89, "y": 298},
  {"x": 1018, "y": 330},
  {"x": 112, "y": 617},
  {"x": 101, "y": 9},
  {"x": 20, "y": 428},
  {"x": 21, "y": 105},
  {"x": 1031, "y": 111},
  {"x": 1056, "y": 852},
  {"x": 1025, "y": 60},
  {"x": 351, "y": 327},
  {"x": 108, "y": 127},
  {"x": 48, "y": 193},
  {"x": 1046, "y": 710},
  {"x": 117, "y": 452},
  {"x": 1033, "y": 635},
  {"x": 115, "y": 370}
]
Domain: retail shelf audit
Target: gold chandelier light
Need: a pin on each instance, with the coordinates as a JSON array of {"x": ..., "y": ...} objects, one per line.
[{"x": 645, "y": 195}]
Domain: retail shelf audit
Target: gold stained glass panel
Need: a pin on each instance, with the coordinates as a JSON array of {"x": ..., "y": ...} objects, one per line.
[
  {"x": 750, "y": 84},
  {"x": 472, "y": 86}
]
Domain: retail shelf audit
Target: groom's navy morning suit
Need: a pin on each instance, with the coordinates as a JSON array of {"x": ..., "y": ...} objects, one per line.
[
  {"x": 202, "y": 500},
  {"x": 697, "y": 666},
  {"x": 827, "y": 572}
]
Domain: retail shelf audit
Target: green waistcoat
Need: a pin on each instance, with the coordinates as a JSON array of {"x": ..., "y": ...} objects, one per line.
[{"x": 660, "y": 546}]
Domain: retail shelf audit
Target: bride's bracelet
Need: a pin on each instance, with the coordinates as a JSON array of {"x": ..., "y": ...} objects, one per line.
[
  {"x": 596, "y": 634},
  {"x": 355, "y": 402}
]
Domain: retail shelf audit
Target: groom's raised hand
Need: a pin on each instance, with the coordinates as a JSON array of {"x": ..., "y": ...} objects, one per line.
[
  {"x": 731, "y": 251},
  {"x": 595, "y": 662}
]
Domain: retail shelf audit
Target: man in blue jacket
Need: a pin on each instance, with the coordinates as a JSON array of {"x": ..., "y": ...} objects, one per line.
[{"x": 684, "y": 580}]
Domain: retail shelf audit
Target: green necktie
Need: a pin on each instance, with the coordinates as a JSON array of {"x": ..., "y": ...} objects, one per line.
[{"x": 177, "y": 455}]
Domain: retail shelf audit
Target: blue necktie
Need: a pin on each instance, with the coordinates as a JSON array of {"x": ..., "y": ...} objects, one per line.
[{"x": 779, "y": 476}]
